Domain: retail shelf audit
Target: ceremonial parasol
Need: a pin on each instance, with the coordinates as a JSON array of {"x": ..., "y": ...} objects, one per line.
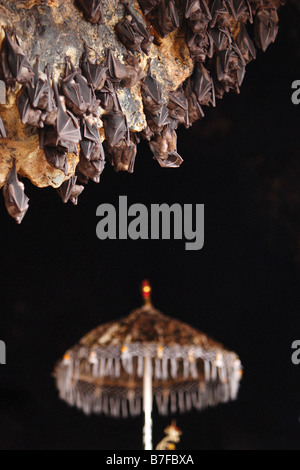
[{"x": 120, "y": 366}]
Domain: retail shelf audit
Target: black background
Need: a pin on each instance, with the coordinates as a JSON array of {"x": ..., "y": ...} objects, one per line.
[{"x": 58, "y": 280}]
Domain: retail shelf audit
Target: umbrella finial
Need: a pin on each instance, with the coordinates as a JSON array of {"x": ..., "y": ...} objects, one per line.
[{"x": 146, "y": 292}]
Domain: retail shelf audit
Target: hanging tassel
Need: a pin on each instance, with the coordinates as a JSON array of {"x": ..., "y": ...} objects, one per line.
[
  {"x": 114, "y": 404},
  {"x": 173, "y": 403},
  {"x": 207, "y": 371},
  {"x": 158, "y": 371},
  {"x": 124, "y": 408},
  {"x": 117, "y": 368},
  {"x": 102, "y": 367},
  {"x": 140, "y": 366},
  {"x": 181, "y": 404},
  {"x": 174, "y": 367},
  {"x": 165, "y": 373},
  {"x": 186, "y": 368},
  {"x": 188, "y": 401}
]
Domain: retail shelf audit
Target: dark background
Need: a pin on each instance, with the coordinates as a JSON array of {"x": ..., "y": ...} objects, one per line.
[{"x": 58, "y": 280}]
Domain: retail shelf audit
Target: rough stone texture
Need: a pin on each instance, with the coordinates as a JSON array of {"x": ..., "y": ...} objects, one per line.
[{"x": 54, "y": 29}]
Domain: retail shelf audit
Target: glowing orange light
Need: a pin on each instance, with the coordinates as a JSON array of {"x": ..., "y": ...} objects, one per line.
[
  {"x": 67, "y": 357},
  {"x": 146, "y": 290},
  {"x": 124, "y": 349}
]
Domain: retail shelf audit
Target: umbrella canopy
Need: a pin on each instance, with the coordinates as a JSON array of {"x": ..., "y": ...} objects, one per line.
[{"x": 105, "y": 371}]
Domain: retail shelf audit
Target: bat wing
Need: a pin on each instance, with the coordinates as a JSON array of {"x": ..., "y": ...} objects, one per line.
[
  {"x": 152, "y": 88},
  {"x": 15, "y": 197},
  {"x": 168, "y": 18},
  {"x": 117, "y": 71},
  {"x": 91, "y": 132},
  {"x": 203, "y": 86},
  {"x": 68, "y": 127},
  {"x": 147, "y": 5},
  {"x": 92, "y": 10},
  {"x": 129, "y": 35},
  {"x": 265, "y": 28},
  {"x": 173, "y": 160},
  {"x": 17, "y": 61},
  {"x": 95, "y": 74},
  {"x": 69, "y": 190}
]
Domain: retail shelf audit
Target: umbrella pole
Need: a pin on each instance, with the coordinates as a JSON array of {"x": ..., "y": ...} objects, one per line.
[{"x": 147, "y": 402}]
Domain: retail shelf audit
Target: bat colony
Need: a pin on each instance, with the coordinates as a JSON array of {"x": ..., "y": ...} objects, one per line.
[{"x": 65, "y": 112}]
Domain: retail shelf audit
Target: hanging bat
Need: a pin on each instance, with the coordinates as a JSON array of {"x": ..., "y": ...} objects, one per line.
[
  {"x": 164, "y": 143},
  {"x": 148, "y": 5},
  {"x": 91, "y": 145},
  {"x": 230, "y": 68},
  {"x": 40, "y": 92},
  {"x": 108, "y": 98},
  {"x": 126, "y": 75},
  {"x": 221, "y": 37},
  {"x": 245, "y": 44},
  {"x": 15, "y": 63},
  {"x": 156, "y": 122},
  {"x": 138, "y": 28},
  {"x": 115, "y": 128},
  {"x": 3, "y": 134},
  {"x": 151, "y": 93},
  {"x": 200, "y": 45},
  {"x": 241, "y": 10},
  {"x": 28, "y": 114},
  {"x": 203, "y": 86},
  {"x": 15, "y": 198},
  {"x": 80, "y": 98},
  {"x": 265, "y": 27},
  {"x": 167, "y": 18},
  {"x": 57, "y": 157},
  {"x": 195, "y": 110},
  {"x": 178, "y": 106},
  {"x": 90, "y": 169},
  {"x": 197, "y": 10},
  {"x": 220, "y": 13},
  {"x": 67, "y": 127},
  {"x": 95, "y": 74},
  {"x": 174, "y": 160},
  {"x": 122, "y": 156},
  {"x": 92, "y": 10},
  {"x": 128, "y": 34},
  {"x": 69, "y": 190}
]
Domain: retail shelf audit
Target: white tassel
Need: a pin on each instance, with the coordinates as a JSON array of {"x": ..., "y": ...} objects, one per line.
[
  {"x": 181, "y": 404},
  {"x": 140, "y": 366},
  {"x": 102, "y": 367},
  {"x": 207, "y": 371},
  {"x": 186, "y": 368},
  {"x": 165, "y": 373},
  {"x": 114, "y": 404},
  {"x": 188, "y": 401},
  {"x": 173, "y": 403},
  {"x": 158, "y": 372},
  {"x": 117, "y": 368},
  {"x": 174, "y": 367}
]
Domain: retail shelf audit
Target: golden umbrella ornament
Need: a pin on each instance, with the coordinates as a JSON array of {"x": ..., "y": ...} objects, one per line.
[{"x": 120, "y": 367}]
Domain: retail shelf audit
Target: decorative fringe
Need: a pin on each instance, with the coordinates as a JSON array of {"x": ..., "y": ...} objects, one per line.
[{"x": 198, "y": 379}]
